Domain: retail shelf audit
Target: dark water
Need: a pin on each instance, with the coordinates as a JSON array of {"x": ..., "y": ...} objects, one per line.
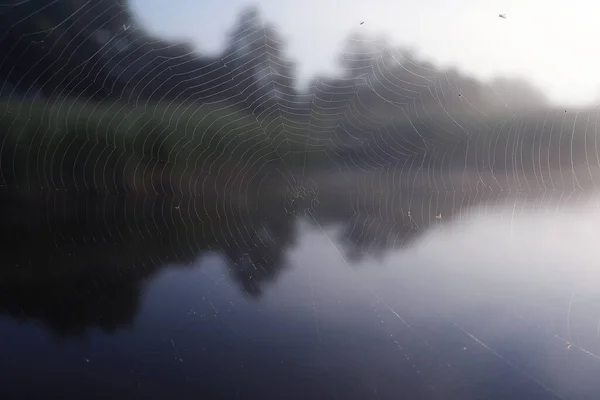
[{"x": 325, "y": 289}]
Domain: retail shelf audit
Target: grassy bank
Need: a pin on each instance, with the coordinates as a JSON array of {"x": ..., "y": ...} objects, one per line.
[
  {"x": 191, "y": 149},
  {"x": 65, "y": 144}
]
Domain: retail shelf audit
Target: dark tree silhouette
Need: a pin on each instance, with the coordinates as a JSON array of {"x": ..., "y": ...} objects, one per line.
[{"x": 95, "y": 50}]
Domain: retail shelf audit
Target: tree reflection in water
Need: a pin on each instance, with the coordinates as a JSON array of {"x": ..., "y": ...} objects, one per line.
[{"x": 83, "y": 261}]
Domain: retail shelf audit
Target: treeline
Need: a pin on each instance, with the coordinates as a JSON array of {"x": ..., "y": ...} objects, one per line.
[
  {"x": 95, "y": 50},
  {"x": 385, "y": 104}
]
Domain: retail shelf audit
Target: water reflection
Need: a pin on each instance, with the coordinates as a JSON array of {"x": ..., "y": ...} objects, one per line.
[
  {"x": 88, "y": 268},
  {"x": 93, "y": 255}
]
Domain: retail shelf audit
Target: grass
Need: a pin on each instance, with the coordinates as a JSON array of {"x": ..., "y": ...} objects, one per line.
[
  {"x": 53, "y": 144},
  {"x": 65, "y": 143}
]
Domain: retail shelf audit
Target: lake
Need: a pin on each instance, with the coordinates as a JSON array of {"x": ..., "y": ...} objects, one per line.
[{"x": 367, "y": 286}]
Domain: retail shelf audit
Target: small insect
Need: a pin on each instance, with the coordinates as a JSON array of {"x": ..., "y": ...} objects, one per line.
[
  {"x": 439, "y": 216},
  {"x": 459, "y": 95},
  {"x": 503, "y": 16},
  {"x": 569, "y": 345},
  {"x": 362, "y": 22}
]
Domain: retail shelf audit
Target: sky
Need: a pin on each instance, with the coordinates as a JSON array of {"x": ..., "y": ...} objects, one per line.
[{"x": 554, "y": 44}]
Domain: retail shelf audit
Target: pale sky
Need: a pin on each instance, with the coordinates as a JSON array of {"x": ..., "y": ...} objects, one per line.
[{"x": 553, "y": 43}]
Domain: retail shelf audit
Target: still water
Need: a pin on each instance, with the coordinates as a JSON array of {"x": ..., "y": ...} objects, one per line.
[{"x": 348, "y": 291}]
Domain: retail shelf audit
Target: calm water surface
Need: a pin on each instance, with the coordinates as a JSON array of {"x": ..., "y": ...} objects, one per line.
[{"x": 341, "y": 295}]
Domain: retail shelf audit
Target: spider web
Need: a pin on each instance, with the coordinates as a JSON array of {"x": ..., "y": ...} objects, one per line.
[{"x": 150, "y": 152}]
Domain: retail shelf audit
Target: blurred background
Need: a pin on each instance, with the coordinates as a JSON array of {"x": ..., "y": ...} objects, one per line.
[{"x": 319, "y": 199}]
